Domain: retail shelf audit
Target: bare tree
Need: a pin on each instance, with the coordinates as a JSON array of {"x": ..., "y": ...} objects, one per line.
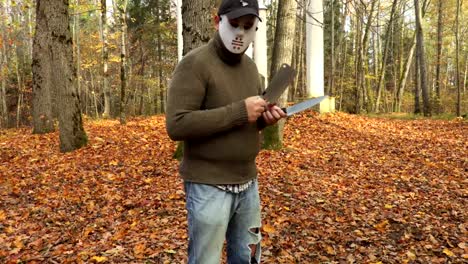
[
  {"x": 18, "y": 59},
  {"x": 384, "y": 59},
  {"x": 361, "y": 63},
  {"x": 121, "y": 7},
  {"x": 404, "y": 76},
  {"x": 297, "y": 54},
  {"x": 3, "y": 69},
  {"x": 344, "y": 51},
  {"x": 105, "y": 60},
  {"x": 76, "y": 41},
  {"x": 331, "y": 85},
  {"x": 421, "y": 57},
  {"x": 457, "y": 57},
  {"x": 439, "y": 46},
  {"x": 417, "y": 86},
  {"x": 63, "y": 74},
  {"x": 466, "y": 72},
  {"x": 282, "y": 53},
  {"x": 197, "y": 24},
  {"x": 160, "y": 60},
  {"x": 42, "y": 73}
]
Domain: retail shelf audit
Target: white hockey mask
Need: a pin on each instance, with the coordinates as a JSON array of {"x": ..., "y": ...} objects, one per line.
[{"x": 237, "y": 37}]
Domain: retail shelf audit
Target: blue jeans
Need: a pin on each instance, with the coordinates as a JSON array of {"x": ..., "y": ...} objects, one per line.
[{"x": 215, "y": 215}]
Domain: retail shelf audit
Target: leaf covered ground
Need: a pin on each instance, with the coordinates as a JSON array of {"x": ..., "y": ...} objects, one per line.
[{"x": 345, "y": 189}]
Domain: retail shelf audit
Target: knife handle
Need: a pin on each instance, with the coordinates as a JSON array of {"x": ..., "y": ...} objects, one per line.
[{"x": 284, "y": 109}]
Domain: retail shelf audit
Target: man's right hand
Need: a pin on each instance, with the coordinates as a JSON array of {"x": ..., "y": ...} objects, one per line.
[{"x": 255, "y": 107}]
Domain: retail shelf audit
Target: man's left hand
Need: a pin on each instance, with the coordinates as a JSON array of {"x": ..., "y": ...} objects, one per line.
[{"x": 273, "y": 114}]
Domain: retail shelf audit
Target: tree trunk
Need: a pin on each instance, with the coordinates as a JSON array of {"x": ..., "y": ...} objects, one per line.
[
  {"x": 42, "y": 73},
  {"x": 91, "y": 95},
  {"x": 76, "y": 40},
  {"x": 343, "y": 74},
  {"x": 121, "y": 7},
  {"x": 296, "y": 64},
  {"x": 377, "y": 46},
  {"x": 417, "y": 87},
  {"x": 331, "y": 86},
  {"x": 72, "y": 134},
  {"x": 4, "y": 122},
  {"x": 302, "y": 74},
  {"x": 123, "y": 62},
  {"x": 404, "y": 77},
  {"x": 198, "y": 26},
  {"x": 357, "y": 62},
  {"x": 282, "y": 53},
  {"x": 457, "y": 57},
  {"x": 422, "y": 61},
  {"x": 4, "y": 109},
  {"x": 299, "y": 87},
  {"x": 466, "y": 72},
  {"x": 398, "y": 33},
  {"x": 160, "y": 59},
  {"x": 105, "y": 61},
  {"x": 448, "y": 66},
  {"x": 30, "y": 24},
  {"x": 95, "y": 104},
  {"x": 19, "y": 79},
  {"x": 439, "y": 47},
  {"x": 142, "y": 73},
  {"x": 363, "y": 61},
  {"x": 271, "y": 28},
  {"x": 384, "y": 59},
  {"x": 375, "y": 59},
  {"x": 344, "y": 51}
]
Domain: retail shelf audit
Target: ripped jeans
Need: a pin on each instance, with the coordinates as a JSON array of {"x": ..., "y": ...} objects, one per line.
[{"x": 215, "y": 215}]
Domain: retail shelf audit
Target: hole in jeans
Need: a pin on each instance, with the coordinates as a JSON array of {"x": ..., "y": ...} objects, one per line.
[{"x": 253, "y": 246}]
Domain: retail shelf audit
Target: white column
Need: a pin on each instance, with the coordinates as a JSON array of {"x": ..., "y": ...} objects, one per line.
[
  {"x": 180, "y": 40},
  {"x": 260, "y": 44},
  {"x": 314, "y": 49}
]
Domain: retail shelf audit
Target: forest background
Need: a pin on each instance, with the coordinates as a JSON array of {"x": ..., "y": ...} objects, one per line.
[
  {"x": 370, "y": 56},
  {"x": 341, "y": 188}
]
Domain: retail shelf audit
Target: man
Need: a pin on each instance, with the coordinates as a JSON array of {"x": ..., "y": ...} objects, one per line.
[{"x": 214, "y": 107}]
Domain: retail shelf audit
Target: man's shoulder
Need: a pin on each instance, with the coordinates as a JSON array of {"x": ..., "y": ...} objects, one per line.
[
  {"x": 249, "y": 64},
  {"x": 195, "y": 61},
  {"x": 249, "y": 61}
]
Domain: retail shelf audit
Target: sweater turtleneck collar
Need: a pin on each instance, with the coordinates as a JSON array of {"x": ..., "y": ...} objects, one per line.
[{"x": 225, "y": 55}]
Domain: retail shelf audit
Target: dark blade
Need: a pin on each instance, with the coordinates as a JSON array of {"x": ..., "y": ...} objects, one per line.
[
  {"x": 279, "y": 83},
  {"x": 303, "y": 106}
]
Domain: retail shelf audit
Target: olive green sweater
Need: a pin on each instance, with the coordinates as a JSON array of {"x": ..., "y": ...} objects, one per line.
[{"x": 206, "y": 110}]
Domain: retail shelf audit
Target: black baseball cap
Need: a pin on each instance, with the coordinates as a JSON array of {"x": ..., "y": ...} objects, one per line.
[{"x": 237, "y": 8}]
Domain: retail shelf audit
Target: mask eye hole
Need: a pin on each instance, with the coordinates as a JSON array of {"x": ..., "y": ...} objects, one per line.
[
  {"x": 248, "y": 26},
  {"x": 235, "y": 24}
]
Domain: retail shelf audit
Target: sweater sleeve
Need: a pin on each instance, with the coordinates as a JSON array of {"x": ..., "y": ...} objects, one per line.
[{"x": 184, "y": 117}]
